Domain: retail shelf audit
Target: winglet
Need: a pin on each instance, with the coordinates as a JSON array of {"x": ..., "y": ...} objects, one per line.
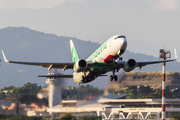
[
  {"x": 5, "y": 57},
  {"x": 73, "y": 52},
  {"x": 175, "y": 54}
]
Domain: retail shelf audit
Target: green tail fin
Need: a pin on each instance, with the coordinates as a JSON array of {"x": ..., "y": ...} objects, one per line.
[{"x": 74, "y": 55}]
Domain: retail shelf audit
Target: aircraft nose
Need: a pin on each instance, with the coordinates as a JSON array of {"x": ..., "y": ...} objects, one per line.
[
  {"x": 123, "y": 43},
  {"x": 120, "y": 43}
]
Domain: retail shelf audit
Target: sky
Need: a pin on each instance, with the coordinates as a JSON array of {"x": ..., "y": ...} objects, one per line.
[
  {"x": 157, "y": 5},
  {"x": 148, "y": 24},
  {"x": 29, "y": 4}
]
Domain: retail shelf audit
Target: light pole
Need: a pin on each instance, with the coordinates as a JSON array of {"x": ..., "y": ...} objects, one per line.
[{"x": 164, "y": 54}]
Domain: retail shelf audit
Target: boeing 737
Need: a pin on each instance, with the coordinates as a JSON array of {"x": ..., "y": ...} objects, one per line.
[{"x": 106, "y": 58}]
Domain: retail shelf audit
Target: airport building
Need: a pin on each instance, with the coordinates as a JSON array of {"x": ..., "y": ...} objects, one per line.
[{"x": 115, "y": 109}]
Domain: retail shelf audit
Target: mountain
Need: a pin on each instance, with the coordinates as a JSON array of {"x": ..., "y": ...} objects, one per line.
[
  {"x": 24, "y": 44},
  {"x": 97, "y": 20}
]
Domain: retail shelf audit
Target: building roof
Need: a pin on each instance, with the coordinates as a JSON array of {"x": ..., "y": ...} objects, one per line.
[
  {"x": 110, "y": 96},
  {"x": 132, "y": 105}
]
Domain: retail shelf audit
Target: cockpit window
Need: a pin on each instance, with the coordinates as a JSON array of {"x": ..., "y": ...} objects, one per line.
[{"x": 120, "y": 37}]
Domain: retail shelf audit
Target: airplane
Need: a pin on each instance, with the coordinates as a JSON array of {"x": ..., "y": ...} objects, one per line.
[{"x": 106, "y": 58}]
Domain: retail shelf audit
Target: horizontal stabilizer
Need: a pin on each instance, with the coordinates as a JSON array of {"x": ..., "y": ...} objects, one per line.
[
  {"x": 60, "y": 76},
  {"x": 102, "y": 75}
]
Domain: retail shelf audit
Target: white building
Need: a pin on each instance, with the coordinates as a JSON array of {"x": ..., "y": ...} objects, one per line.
[{"x": 115, "y": 109}]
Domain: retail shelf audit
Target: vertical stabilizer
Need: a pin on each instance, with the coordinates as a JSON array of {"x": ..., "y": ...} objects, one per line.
[
  {"x": 73, "y": 52},
  {"x": 175, "y": 54}
]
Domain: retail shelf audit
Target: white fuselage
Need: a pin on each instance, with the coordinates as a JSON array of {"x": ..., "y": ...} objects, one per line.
[
  {"x": 111, "y": 47},
  {"x": 107, "y": 53}
]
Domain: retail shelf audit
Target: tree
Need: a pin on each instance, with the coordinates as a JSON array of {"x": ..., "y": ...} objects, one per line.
[
  {"x": 132, "y": 89},
  {"x": 26, "y": 94},
  {"x": 89, "y": 118},
  {"x": 176, "y": 117},
  {"x": 27, "y": 88},
  {"x": 2, "y": 95},
  {"x": 176, "y": 93},
  {"x": 176, "y": 75},
  {"x": 168, "y": 93},
  {"x": 143, "y": 91},
  {"x": 19, "y": 117},
  {"x": 27, "y": 98},
  {"x": 152, "y": 95},
  {"x": 119, "y": 92},
  {"x": 67, "y": 116},
  {"x": 132, "y": 94},
  {"x": 90, "y": 89},
  {"x": 158, "y": 91}
]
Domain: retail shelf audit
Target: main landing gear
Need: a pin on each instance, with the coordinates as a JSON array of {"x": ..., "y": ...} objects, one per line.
[
  {"x": 113, "y": 77},
  {"x": 120, "y": 58}
]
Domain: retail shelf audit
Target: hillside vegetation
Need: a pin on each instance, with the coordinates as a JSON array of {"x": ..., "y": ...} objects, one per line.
[
  {"x": 153, "y": 79},
  {"x": 149, "y": 75},
  {"x": 146, "y": 85}
]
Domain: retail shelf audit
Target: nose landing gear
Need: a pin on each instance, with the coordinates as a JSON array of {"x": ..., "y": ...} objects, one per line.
[{"x": 120, "y": 58}]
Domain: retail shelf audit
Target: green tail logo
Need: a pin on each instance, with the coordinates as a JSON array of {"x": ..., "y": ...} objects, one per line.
[
  {"x": 74, "y": 55},
  {"x": 73, "y": 52}
]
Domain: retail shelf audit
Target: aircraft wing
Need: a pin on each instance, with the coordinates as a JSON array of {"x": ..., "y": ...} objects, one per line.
[
  {"x": 144, "y": 63},
  {"x": 140, "y": 64},
  {"x": 49, "y": 65}
]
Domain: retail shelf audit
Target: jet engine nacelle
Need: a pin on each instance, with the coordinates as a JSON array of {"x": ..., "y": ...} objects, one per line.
[
  {"x": 129, "y": 65},
  {"x": 80, "y": 65}
]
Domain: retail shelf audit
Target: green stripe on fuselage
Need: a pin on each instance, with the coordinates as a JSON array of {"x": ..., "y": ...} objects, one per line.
[
  {"x": 102, "y": 67},
  {"x": 98, "y": 51}
]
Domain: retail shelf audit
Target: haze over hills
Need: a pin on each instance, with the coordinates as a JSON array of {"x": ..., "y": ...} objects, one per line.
[
  {"x": 95, "y": 20},
  {"x": 24, "y": 44}
]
